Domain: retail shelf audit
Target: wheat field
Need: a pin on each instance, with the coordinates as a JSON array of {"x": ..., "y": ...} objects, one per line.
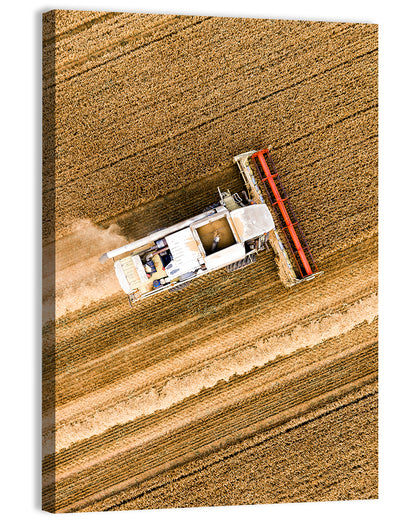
[{"x": 235, "y": 390}]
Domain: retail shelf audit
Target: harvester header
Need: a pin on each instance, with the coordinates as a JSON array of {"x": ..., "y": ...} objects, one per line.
[
  {"x": 284, "y": 213},
  {"x": 293, "y": 256}
]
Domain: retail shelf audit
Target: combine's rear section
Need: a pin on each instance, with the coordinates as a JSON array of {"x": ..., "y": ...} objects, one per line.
[{"x": 294, "y": 258}]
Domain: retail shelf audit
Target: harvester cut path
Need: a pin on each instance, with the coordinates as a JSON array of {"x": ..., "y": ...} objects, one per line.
[{"x": 228, "y": 234}]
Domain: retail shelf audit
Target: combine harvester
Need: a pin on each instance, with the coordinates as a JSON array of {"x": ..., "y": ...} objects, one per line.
[{"x": 229, "y": 234}]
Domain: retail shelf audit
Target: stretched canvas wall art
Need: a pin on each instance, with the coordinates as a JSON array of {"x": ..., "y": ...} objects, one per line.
[{"x": 210, "y": 261}]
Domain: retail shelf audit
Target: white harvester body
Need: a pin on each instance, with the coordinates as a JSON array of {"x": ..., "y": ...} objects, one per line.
[{"x": 228, "y": 235}]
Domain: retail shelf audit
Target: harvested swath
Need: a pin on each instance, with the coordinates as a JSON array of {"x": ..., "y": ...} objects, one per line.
[
  {"x": 247, "y": 470},
  {"x": 217, "y": 430},
  {"x": 213, "y": 314},
  {"x": 162, "y": 385},
  {"x": 283, "y": 370}
]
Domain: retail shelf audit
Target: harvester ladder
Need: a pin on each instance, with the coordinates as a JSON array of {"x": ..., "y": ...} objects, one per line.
[{"x": 267, "y": 173}]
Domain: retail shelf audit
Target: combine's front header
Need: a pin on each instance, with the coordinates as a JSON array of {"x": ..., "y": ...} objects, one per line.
[{"x": 299, "y": 265}]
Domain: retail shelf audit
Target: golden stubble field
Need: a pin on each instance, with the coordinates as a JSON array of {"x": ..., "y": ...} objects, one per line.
[{"x": 236, "y": 390}]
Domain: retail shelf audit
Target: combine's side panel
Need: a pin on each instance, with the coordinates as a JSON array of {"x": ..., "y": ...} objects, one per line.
[{"x": 279, "y": 201}]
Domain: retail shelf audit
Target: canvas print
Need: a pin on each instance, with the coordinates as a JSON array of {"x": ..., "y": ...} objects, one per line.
[{"x": 209, "y": 261}]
